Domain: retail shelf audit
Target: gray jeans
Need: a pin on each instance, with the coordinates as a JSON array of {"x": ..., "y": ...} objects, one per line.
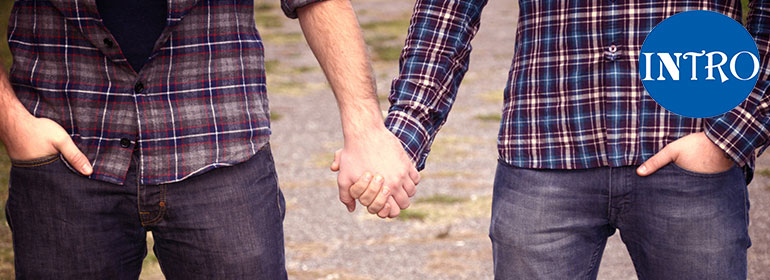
[
  {"x": 676, "y": 224},
  {"x": 224, "y": 224}
]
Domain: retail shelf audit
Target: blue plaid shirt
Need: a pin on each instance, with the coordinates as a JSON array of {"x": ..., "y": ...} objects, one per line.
[{"x": 573, "y": 98}]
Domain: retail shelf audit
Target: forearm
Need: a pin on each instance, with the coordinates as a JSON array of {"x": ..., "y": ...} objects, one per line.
[
  {"x": 12, "y": 112},
  {"x": 746, "y": 128},
  {"x": 433, "y": 63},
  {"x": 333, "y": 33}
]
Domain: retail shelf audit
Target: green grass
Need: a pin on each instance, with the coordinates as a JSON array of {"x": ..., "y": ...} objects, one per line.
[
  {"x": 5, "y": 13},
  {"x": 275, "y": 116},
  {"x": 389, "y": 29},
  {"x": 441, "y": 199},
  {"x": 386, "y": 38},
  {"x": 281, "y": 79},
  {"x": 745, "y": 4},
  {"x": 6, "y": 248},
  {"x": 265, "y": 20},
  {"x": 763, "y": 172},
  {"x": 386, "y": 52},
  {"x": 493, "y": 96},
  {"x": 262, "y": 6},
  {"x": 283, "y": 38},
  {"x": 271, "y": 66},
  {"x": 412, "y": 214},
  {"x": 491, "y": 117},
  {"x": 267, "y": 14}
]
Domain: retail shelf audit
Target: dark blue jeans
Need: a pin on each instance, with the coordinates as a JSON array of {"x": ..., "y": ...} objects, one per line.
[
  {"x": 224, "y": 224},
  {"x": 676, "y": 224}
]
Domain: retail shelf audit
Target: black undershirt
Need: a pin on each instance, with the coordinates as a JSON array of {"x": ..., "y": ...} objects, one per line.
[{"x": 135, "y": 24}]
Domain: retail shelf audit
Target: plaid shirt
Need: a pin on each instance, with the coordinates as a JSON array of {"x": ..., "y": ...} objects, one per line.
[
  {"x": 574, "y": 98},
  {"x": 198, "y": 103}
]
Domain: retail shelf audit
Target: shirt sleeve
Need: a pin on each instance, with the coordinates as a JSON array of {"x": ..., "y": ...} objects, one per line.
[
  {"x": 290, "y": 7},
  {"x": 746, "y": 128},
  {"x": 432, "y": 65}
]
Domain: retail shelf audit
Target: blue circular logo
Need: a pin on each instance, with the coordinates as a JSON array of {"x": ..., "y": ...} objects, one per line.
[{"x": 699, "y": 64}]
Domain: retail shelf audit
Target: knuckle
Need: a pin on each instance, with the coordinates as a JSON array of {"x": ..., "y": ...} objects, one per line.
[
  {"x": 58, "y": 140},
  {"x": 365, "y": 201},
  {"x": 354, "y": 194},
  {"x": 78, "y": 159}
]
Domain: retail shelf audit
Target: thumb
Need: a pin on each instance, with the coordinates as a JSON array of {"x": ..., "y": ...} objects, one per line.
[
  {"x": 74, "y": 156},
  {"x": 663, "y": 157},
  {"x": 336, "y": 163}
]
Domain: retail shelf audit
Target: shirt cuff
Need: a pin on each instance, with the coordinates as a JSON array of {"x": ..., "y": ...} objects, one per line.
[
  {"x": 739, "y": 133},
  {"x": 413, "y": 135},
  {"x": 290, "y": 7}
]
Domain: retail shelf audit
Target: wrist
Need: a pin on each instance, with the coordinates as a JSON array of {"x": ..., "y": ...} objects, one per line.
[
  {"x": 723, "y": 153},
  {"x": 13, "y": 118},
  {"x": 362, "y": 125},
  {"x": 365, "y": 135}
]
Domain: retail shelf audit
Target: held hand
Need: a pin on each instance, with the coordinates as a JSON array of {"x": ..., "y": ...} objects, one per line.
[
  {"x": 382, "y": 152},
  {"x": 694, "y": 152},
  {"x": 373, "y": 187},
  {"x": 33, "y": 138},
  {"x": 376, "y": 197}
]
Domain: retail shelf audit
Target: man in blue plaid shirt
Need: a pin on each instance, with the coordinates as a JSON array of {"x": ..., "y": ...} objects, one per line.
[{"x": 584, "y": 150}]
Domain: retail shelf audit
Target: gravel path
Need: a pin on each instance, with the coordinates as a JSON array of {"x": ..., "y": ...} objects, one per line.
[{"x": 444, "y": 234}]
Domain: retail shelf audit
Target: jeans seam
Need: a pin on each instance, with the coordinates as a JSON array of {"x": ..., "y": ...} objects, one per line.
[
  {"x": 266, "y": 148},
  {"x": 609, "y": 196},
  {"x": 278, "y": 198},
  {"x": 593, "y": 262},
  {"x": 138, "y": 193},
  {"x": 8, "y": 216},
  {"x": 157, "y": 218},
  {"x": 162, "y": 210},
  {"x": 746, "y": 211}
]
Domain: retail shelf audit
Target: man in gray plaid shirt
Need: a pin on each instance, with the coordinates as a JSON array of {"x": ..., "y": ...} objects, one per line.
[{"x": 122, "y": 117}]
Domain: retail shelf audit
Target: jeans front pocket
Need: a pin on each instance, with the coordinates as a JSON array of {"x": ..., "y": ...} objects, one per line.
[
  {"x": 41, "y": 161},
  {"x": 701, "y": 174}
]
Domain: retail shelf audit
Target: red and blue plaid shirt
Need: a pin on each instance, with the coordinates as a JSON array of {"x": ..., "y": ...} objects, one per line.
[
  {"x": 198, "y": 103},
  {"x": 574, "y": 98}
]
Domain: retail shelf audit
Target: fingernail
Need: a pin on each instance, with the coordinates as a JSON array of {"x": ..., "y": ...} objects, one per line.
[
  {"x": 643, "y": 169},
  {"x": 385, "y": 191},
  {"x": 350, "y": 209},
  {"x": 368, "y": 176},
  {"x": 86, "y": 168},
  {"x": 378, "y": 178}
]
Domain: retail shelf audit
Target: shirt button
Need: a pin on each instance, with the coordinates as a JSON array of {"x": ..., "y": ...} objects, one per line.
[
  {"x": 138, "y": 87},
  {"x": 125, "y": 143},
  {"x": 613, "y": 48},
  {"x": 109, "y": 43}
]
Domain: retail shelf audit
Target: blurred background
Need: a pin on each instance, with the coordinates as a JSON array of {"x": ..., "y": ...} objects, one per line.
[{"x": 444, "y": 234}]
